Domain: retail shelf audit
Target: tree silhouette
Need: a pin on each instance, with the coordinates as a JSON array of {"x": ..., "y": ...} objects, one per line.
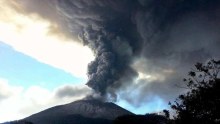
[
  {"x": 201, "y": 104},
  {"x": 20, "y": 122},
  {"x": 141, "y": 119}
]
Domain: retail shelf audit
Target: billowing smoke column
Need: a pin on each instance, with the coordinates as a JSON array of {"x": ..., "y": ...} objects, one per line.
[
  {"x": 162, "y": 32},
  {"x": 119, "y": 30},
  {"x": 106, "y": 27}
]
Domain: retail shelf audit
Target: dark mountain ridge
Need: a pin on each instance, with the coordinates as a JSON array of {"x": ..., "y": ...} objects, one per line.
[{"x": 79, "y": 112}]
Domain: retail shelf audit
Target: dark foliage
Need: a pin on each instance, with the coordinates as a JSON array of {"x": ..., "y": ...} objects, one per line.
[
  {"x": 73, "y": 119},
  {"x": 141, "y": 119},
  {"x": 21, "y": 122},
  {"x": 201, "y": 104}
]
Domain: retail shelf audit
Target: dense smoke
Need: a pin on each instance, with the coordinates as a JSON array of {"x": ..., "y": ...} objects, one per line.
[
  {"x": 106, "y": 27},
  {"x": 169, "y": 35},
  {"x": 142, "y": 48}
]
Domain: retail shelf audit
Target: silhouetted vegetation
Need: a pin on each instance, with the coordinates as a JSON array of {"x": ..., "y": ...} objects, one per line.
[
  {"x": 201, "y": 104},
  {"x": 20, "y": 122},
  {"x": 141, "y": 119}
]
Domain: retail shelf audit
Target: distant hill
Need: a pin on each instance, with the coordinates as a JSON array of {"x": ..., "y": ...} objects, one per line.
[{"x": 79, "y": 112}]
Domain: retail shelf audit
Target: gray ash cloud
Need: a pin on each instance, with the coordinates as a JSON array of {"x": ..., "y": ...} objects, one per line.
[
  {"x": 105, "y": 27},
  {"x": 165, "y": 34},
  {"x": 169, "y": 34}
]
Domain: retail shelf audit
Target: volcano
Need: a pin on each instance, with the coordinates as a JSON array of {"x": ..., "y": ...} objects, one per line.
[{"x": 79, "y": 112}]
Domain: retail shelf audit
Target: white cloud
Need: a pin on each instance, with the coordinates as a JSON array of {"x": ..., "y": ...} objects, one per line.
[
  {"x": 41, "y": 39},
  {"x": 149, "y": 74},
  {"x": 6, "y": 90},
  {"x": 19, "y": 103}
]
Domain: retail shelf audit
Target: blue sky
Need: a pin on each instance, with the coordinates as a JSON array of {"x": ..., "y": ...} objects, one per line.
[
  {"x": 28, "y": 86},
  {"x": 23, "y": 70},
  {"x": 36, "y": 64},
  {"x": 155, "y": 105}
]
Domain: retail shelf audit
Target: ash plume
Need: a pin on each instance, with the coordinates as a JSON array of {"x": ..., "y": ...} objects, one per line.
[
  {"x": 142, "y": 48},
  {"x": 106, "y": 27},
  {"x": 120, "y": 32}
]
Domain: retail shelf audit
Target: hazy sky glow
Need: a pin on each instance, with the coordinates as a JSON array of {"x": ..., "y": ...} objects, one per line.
[
  {"x": 33, "y": 36},
  {"x": 132, "y": 52},
  {"x": 35, "y": 62},
  {"x": 19, "y": 67}
]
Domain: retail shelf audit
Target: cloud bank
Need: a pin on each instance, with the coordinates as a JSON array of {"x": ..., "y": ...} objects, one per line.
[{"x": 17, "y": 102}]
